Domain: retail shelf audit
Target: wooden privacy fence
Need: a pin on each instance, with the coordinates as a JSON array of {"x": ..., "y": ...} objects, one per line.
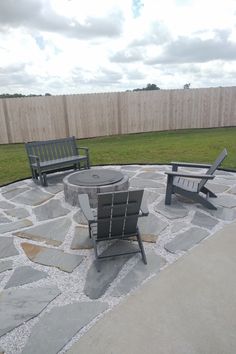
[{"x": 101, "y": 114}]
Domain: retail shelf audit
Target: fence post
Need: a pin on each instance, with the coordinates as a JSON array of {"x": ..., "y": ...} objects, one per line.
[{"x": 7, "y": 122}]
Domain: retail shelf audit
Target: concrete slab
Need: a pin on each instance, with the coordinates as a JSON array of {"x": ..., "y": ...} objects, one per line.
[{"x": 197, "y": 313}]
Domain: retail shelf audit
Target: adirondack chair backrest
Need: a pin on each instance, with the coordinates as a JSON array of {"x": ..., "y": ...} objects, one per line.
[
  {"x": 117, "y": 213},
  {"x": 213, "y": 167},
  {"x": 52, "y": 149}
]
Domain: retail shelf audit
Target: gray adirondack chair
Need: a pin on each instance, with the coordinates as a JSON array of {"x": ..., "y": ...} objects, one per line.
[
  {"x": 117, "y": 217},
  {"x": 191, "y": 185}
]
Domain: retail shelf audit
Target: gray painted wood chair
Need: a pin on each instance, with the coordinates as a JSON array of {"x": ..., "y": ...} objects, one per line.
[
  {"x": 191, "y": 185},
  {"x": 117, "y": 218}
]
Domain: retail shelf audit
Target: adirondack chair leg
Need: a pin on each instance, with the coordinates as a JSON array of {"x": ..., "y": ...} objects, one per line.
[
  {"x": 206, "y": 191},
  {"x": 169, "y": 190},
  {"x": 141, "y": 247},
  {"x": 203, "y": 201}
]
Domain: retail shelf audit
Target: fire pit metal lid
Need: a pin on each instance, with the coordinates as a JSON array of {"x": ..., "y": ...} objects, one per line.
[{"x": 95, "y": 177}]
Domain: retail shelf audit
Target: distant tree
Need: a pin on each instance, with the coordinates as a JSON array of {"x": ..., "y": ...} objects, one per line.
[
  {"x": 149, "y": 87},
  {"x": 16, "y": 95},
  {"x": 47, "y": 94},
  {"x": 187, "y": 86}
]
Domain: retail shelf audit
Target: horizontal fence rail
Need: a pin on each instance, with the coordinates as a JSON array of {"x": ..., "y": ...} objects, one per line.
[{"x": 102, "y": 114}]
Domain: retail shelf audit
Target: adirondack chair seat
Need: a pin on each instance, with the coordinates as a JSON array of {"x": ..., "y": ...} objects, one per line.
[
  {"x": 191, "y": 185},
  {"x": 55, "y": 155},
  {"x": 116, "y": 218},
  {"x": 186, "y": 183}
]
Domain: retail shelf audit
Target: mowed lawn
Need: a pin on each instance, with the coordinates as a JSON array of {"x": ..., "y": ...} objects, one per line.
[{"x": 196, "y": 145}]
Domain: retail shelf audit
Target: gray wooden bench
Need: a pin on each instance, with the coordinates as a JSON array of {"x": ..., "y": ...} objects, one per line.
[{"x": 55, "y": 155}]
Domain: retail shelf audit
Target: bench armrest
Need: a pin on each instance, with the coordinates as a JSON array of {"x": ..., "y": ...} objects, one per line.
[
  {"x": 188, "y": 175},
  {"x": 82, "y": 148},
  {"x": 85, "y": 207},
  {"x": 34, "y": 158}
]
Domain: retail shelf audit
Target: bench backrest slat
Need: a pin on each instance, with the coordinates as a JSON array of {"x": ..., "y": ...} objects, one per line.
[{"x": 52, "y": 149}]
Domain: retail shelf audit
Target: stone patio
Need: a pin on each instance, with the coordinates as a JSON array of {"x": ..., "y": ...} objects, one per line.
[{"x": 51, "y": 292}]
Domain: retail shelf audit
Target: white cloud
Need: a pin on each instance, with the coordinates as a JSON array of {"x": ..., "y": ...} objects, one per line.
[{"x": 70, "y": 46}]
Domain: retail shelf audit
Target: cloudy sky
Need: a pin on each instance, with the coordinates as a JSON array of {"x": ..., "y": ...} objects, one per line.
[{"x": 80, "y": 46}]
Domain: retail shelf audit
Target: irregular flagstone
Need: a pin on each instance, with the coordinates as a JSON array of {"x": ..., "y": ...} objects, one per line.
[
  {"x": 81, "y": 239},
  {"x": 151, "y": 175},
  {"x": 52, "y": 232},
  {"x": 52, "y": 257},
  {"x": 6, "y": 205},
  {"x": 98, "y": 282},
  {"x": 80, "y": 218},
  {"x": 223, "y": 213},
  {"x": 14, "y": 192},
  {"x": 19, "y": 213},
  {"x": 227, "y": 201},
  {"x": 149, "y": 197},
  {"x": 7, "y": 247},
  {"x": 139, "y": 273},
  {"x": 20, "y": 305},
  {"x": 56, "y": 328},
  {"x": 5, "y": 265},
  {"x": 33, "y": 197},
  {"x": 151, "y": 225},
  {"x": 174, "y": 211},
  {"x": 24, "y": 275},
  {"x": 15, "y": 225},
  {"x": 216, "y": 187},
  {"x": 145, "y": 183},
  {"x": 203, "y": 220},
  {"x": 54, "y": 189},
  {"x": 232, "y": 190},
  {"x": 186, "y": 240},
  {"x": 226, "y": 181},
  {"x": 11, "y": 186},
  {"x": 1, "y": 351},
  {"x": 4, "y": 219},
  {"x": 177, "y": 226},
  {"x": 50, "y": 210},
  {"x": 130, "y": 167}
]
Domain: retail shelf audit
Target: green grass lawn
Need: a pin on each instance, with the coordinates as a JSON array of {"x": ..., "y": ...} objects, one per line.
[{"x": 196, "y": 145}]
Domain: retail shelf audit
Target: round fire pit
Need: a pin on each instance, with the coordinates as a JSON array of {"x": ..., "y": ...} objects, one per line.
[{"x": 92, "y": 182}]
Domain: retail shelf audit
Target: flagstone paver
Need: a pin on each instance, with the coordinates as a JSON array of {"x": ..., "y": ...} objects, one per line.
[
  {"x": 186, "y": 240},
  {"x": 50, "y": 210},
  {"x": 5, "y": 265},
  {"x": 14, "y": 192},
  {"x": 228, "y": 214},
  {"x": 52, "y": 232},
  {"x": 138, "y": 274},
  {"x": 56, "y": 328},
  {"x": 80, "y": 218},
  {"x": 98, "y": 282},
  {"x": 145, "y": 183},
  {"x": 19, "y": 213},
  {"x": 81, "y": 239},
  {"x": 232, "y": 190},
  {"x": 178, "y": 226},
  {"x": 15, "y": 225},
  {"x": 1, "y": 351},
  {"x": 4, "y": 219},
  {"x": 151, "y": 225},
  {"x": 20, "y": 305},
  {"x": 33, "y": 197},
  {"x": 6, "y": 205},
  {"x": 24, "y": 275},
  {"x": 217, "y": 188},
  {"x": 226, "y": 201},
  {"x": 7, "y": 247},
  {"x": 174, "y": 211},
  {"x": 130, "y": 167},
  {"x": 150, "y": 175},
  {"x": 54, "y": 189},
  {"x": 52, "y": 257},
  {"x": 201, "y": 219}
]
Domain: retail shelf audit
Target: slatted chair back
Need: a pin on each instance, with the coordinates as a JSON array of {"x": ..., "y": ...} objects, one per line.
[
  {"x": 117, "y": 214},
  {"x": 52, "y": 149},
  {"x": 213, "y": 167}
]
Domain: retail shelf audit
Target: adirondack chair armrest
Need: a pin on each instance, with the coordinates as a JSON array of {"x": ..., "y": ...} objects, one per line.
[
  {"x": 175, "y": 174},
  {"x": 85, "y": 207},
  {"x": 176, "y": 164}
]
